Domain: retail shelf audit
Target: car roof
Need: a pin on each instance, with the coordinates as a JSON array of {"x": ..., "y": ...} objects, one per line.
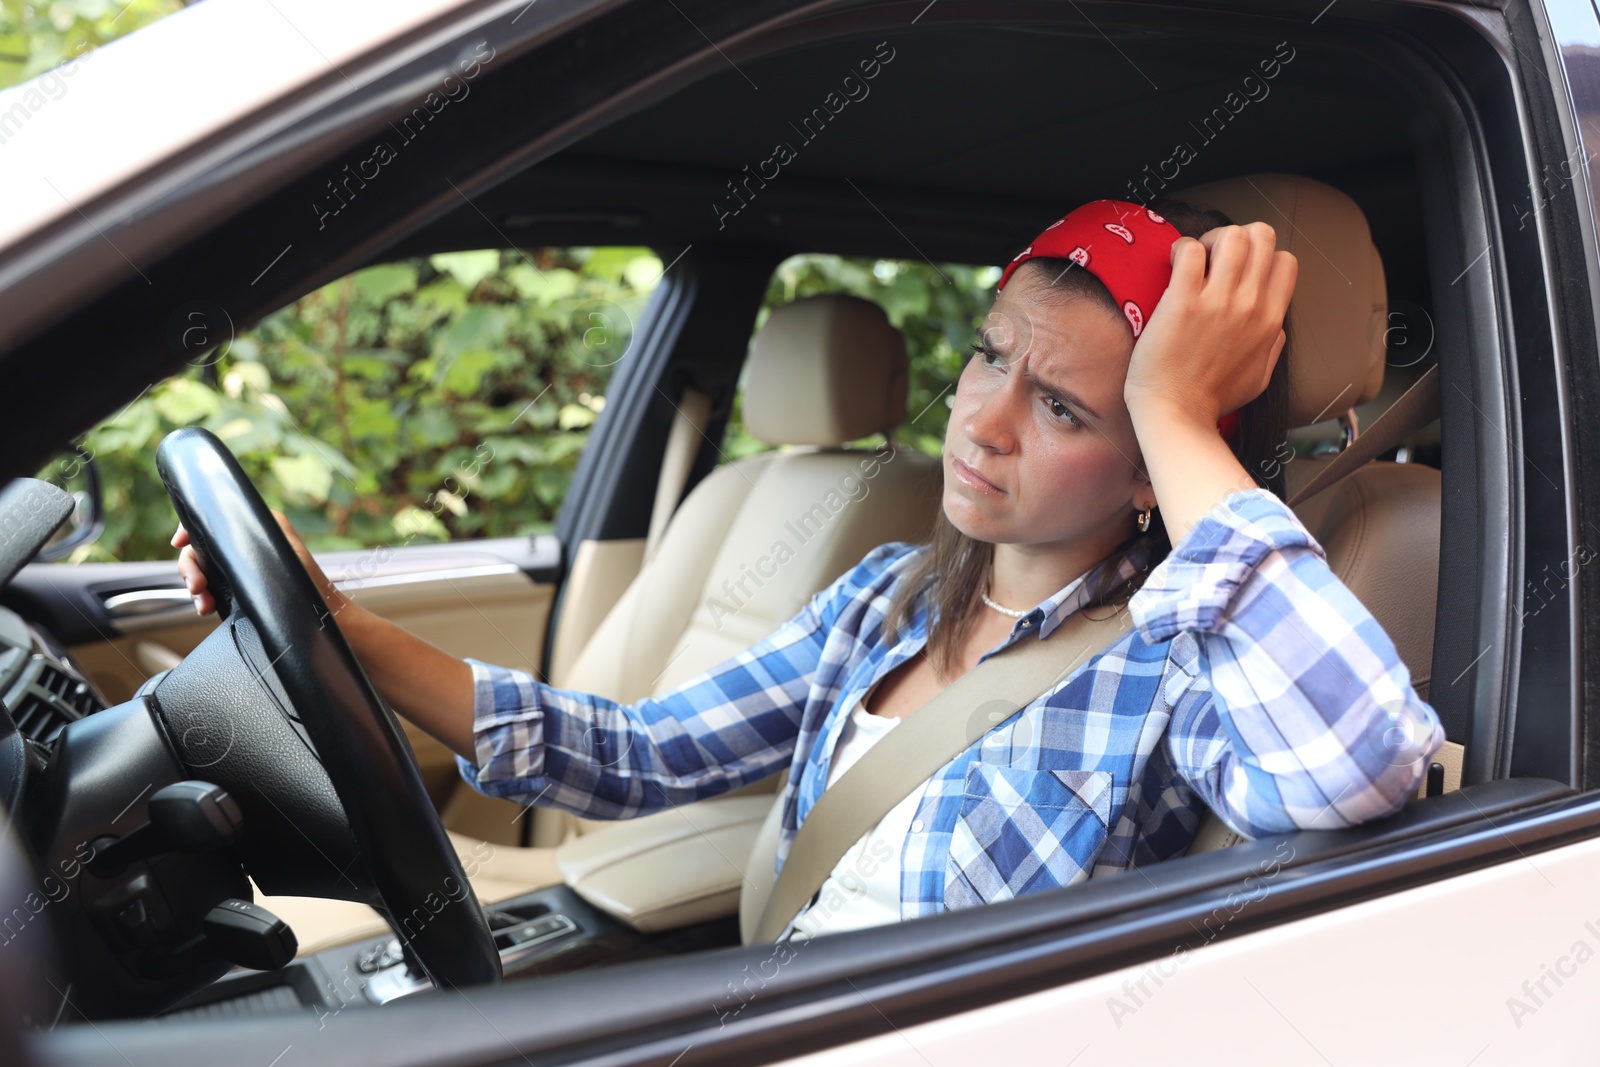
[{"x": 81, "y": 130}]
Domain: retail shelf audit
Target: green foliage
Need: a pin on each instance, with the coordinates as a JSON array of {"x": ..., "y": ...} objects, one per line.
[{"x": 432, "y": 399}]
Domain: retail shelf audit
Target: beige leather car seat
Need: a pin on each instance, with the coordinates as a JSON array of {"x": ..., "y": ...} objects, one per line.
[
  {"x": 1380, "y": 525},
  {"x": 822, "y": 372}
]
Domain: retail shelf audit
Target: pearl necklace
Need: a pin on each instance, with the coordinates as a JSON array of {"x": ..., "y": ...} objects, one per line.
[{"x": 1002, "y": 610}]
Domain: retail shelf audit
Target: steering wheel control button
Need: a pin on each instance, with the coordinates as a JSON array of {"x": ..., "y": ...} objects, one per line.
[
  {"x": 249, "y": 935},
  {"x": 196, "y": 816}
]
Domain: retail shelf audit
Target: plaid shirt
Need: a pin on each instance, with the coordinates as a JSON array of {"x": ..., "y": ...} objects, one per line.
[{"x": 1253, "y": 683}]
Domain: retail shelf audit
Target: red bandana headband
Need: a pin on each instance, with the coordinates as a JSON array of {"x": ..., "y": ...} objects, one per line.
[{"x": 1126, "y": 246}]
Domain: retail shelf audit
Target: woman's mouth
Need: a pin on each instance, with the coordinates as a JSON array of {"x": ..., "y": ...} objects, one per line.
[{"x": 972, "y": 479}]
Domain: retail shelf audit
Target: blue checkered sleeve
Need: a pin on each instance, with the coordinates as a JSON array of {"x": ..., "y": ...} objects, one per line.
[
  {"x": 731, "y": 725},
  {"x": 1301, "y": 714}
]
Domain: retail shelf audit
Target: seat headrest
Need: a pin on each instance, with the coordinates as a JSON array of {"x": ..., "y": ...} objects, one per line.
[
  {"x": 1340, "y": 312},
  {"x": 825, "y": 370}
]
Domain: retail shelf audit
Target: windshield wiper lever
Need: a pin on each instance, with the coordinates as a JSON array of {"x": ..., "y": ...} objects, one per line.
[{"x": 188, "y": 816}]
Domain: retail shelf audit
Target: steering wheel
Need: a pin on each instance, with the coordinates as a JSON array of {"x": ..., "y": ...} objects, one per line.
[{"x": 274, "y": 707}]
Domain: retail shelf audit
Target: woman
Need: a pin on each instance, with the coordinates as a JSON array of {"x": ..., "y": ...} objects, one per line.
[{"x": 1091, "y": 430}]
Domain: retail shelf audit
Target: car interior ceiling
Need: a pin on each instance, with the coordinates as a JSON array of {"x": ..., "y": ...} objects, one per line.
[{"x": 971, "y": 140}]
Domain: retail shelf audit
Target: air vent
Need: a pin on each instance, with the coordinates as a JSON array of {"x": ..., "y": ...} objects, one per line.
[{"x": 48, "y": 698}]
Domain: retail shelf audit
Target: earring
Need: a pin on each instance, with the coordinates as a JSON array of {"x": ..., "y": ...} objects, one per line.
[{"x": 1144, "y": 521}]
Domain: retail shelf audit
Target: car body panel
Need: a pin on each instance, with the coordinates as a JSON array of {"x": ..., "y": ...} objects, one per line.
[
  {"x": 1445, "y": 973},
  {"x": 123, "y": 109}
]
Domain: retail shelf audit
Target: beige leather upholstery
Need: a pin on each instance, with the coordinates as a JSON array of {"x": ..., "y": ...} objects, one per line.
[
  {"x": 748, "y": 547},
  {"x": 758, "y": 537},
  {"x": 1380, "y": 525},
  {"x": 600, "y": 573},
  {"x": 669, "y": 869},
  {"x": 760, "y": 877},
  {"x": 1340, "y": 312},
  {"x": 718, "y": 586},
  {"x": 824, "y": 371}
]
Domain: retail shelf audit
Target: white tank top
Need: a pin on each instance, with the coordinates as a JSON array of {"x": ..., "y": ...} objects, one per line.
[{"x": 864, "y": 888}]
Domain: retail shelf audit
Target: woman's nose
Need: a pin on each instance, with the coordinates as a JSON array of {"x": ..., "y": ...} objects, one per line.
[{"x": 991, "y": 421}]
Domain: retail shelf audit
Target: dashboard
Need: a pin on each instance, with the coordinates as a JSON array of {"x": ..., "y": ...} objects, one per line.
[{"x": 41, "y": 690}]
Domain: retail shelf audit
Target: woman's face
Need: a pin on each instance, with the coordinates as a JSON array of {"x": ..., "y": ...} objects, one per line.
[{"x": 1040, "y": 449}]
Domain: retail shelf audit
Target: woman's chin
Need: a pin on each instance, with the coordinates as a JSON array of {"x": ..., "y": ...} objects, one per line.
[{"x": 973, "y": 519}]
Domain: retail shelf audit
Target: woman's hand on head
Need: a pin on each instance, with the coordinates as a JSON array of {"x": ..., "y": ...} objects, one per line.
[
  {"x": 195, "y": 579},
  {"x": 1211, "y": 344}
]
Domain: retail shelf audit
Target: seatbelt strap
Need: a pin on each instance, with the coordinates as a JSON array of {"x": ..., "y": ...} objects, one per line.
[
  {"x": 1416, "y": 407},
  {"x": 683, "y": 444},
  {"x": 926, "y": 740}
]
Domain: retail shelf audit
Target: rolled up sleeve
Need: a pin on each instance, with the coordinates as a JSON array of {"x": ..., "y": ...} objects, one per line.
[
  {"x": 1302, "y": 714},
  {"x": 725, "y": 728}
]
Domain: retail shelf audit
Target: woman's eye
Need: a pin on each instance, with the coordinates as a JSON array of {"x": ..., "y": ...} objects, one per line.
[
  {"x": 985, "y": 354},
  {"x": 1061, "y": 411}
]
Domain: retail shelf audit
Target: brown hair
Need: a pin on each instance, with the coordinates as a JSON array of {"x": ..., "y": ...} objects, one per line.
[{"x": 955, "y": 569}]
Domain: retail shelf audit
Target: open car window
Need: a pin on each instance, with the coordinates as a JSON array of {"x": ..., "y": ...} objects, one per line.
[{"x": 417, "y": 401}]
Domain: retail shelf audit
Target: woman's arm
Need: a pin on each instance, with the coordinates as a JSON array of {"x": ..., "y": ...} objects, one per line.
[
  {"x": 425, "y": 684},
  {"x": 420, "y": 681},
  {"x": 732, "y": 725},
  {"x": 1301, "y": 713},
  {"x": 517, "y": 737}
]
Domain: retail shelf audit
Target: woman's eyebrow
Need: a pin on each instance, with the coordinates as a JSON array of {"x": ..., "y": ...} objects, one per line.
[{"x": 1064, "y": 396}]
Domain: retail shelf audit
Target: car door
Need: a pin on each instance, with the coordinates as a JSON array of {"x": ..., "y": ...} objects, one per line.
[{"x": 420, "y": 421}]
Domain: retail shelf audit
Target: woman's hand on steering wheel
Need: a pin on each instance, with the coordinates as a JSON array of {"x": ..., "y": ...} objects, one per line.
[{"x": 195, "y": 578}]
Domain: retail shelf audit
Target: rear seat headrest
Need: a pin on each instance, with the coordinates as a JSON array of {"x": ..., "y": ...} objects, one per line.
[
  {"x": 1340, "y": 311},
  {"x": 825, "y": 370}
]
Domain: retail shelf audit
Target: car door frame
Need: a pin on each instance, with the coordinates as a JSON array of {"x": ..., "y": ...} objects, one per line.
[{"x": 962, "y": 957}]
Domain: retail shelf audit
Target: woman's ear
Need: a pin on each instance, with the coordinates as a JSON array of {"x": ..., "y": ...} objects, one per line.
[{"x": 1144, "y": 494}]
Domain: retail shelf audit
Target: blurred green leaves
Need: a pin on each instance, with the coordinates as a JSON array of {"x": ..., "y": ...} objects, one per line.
[{"x": 414, "y": 401}]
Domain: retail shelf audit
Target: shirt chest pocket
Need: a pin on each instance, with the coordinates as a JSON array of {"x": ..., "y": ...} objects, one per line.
[{"x": 1024, "y": 830}]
